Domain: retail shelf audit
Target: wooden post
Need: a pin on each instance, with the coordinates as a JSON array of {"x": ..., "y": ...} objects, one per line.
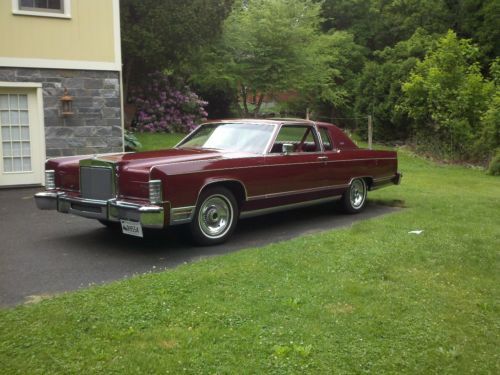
[
  {"x": 370, "y": 132},
  {"x": 307, "y": 113}
]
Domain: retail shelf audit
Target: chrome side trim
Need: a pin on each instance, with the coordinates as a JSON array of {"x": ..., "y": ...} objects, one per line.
[
  {"x": 219, "y": 181},
  {"x": 384, "y": 181},
  {"x": 295, "y": 192},
  {"x": 380, "y": 179},
  {"x": 265, "y": 211},
  {"x": 278, "y": 165},
  {"x": 182, "y": 215}
]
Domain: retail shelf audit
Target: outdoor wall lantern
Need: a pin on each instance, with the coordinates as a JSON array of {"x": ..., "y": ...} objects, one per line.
[{"x": 66, "y": 104}]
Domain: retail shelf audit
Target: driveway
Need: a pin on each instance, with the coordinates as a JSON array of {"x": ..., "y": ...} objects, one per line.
[{"x": 44, "y": 252}]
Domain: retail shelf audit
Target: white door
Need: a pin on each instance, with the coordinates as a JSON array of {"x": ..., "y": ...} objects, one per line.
[{"x": 22, "y": 147}]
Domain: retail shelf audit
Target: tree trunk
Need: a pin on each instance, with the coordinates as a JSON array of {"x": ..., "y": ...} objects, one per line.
[
  {"x": 244, "y": 99},
  {"x": 259, "y": 104}
]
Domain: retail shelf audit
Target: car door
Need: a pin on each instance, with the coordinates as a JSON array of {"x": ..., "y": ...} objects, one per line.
[{"x": 296, "y": 176}]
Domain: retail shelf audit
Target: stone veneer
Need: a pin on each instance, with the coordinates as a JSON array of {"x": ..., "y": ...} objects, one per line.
[{"x": 95, "y": 126}]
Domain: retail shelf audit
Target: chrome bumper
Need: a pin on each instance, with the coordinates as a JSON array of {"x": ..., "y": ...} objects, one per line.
[{"x": 150, "y": 216}]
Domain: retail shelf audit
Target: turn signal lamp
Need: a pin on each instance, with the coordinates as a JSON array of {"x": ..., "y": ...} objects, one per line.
[
  {"x": 50, "y": 180},
  {"x": 155, "y": 196}
]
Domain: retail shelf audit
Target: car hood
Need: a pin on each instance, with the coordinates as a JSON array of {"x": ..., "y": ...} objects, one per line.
[{"x": 146, "y": 160}]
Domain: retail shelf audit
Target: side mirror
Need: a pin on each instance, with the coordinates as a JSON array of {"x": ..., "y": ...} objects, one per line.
[{"x": 287, "y": 148}]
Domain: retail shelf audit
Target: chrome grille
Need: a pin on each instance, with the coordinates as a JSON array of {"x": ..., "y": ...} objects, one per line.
[{"x": 96, "y": 183}]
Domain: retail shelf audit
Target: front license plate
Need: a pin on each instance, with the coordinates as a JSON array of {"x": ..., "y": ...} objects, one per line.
[{"x": 132, "y": 228}]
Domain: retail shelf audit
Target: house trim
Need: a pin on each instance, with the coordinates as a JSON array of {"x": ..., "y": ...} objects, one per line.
[
  {"x": 15, "y": 62},
  {"x": 117, "y": 33},
  {"x": 21, "y": 84}
]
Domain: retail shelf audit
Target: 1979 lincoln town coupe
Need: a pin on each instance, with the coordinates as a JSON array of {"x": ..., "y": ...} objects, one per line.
[{"x": 221, "y": 172}]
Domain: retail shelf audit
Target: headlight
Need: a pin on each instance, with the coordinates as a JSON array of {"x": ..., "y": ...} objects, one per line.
[
  {"x": 155, "y": 196},
  {"x": 50, "y": 179}
]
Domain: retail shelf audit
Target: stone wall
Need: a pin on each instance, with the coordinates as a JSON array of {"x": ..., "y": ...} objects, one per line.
[{"x": 95, "y": 126}]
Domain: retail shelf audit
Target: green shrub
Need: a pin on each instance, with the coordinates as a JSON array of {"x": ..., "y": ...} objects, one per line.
[
  {"x": 131, "y": 142},
  {"x": 494, "y": 167}
]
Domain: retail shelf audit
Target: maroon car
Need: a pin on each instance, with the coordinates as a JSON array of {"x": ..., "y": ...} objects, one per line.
[{"x": 221, "y": 172}]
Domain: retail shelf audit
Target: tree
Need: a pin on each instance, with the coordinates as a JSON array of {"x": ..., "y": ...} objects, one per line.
[
  {"x": 378, "y": 86},
  {"x": 267, "y": 43},
  {"x": 273, "y": 46},
  {"x": 446, "y": 96},
  {"x": 479, "y": 20},
  {"x": 329, "y": 89},
  {"x": 377, "y": 24},
  {"x": 159, "y": 34}
]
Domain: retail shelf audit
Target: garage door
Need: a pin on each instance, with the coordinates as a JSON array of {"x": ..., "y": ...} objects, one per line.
[{"x": 22, "y": 143}]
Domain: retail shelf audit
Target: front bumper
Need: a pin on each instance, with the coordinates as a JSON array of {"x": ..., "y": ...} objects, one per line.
[{"x": 150, "y": 216}]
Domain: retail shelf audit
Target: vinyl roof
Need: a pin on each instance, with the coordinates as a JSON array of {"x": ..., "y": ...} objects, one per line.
[{"x": 271, "y": 121}]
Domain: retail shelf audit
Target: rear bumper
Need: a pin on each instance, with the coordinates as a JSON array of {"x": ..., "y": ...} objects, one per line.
[
  {"x": 397, "y": 179},
  {"x": 386, "y": 181},
  {"x": 150, "y": 216}
]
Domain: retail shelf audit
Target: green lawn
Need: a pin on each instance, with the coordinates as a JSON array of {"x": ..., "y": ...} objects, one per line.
[
  {"x": 368, "y": 299},
  {"x": 158, "y": 141}
]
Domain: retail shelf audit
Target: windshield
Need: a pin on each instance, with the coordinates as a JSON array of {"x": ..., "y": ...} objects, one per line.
[{"x": 251, "y": 138}]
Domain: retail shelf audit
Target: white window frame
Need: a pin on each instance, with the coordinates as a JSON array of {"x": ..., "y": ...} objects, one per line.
[{"x": 41, "y": 13}]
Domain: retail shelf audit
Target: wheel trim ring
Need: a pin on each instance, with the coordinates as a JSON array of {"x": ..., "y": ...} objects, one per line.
[
  {"x": 357, "y": 194},
  {"x": 215, "y": 216}
]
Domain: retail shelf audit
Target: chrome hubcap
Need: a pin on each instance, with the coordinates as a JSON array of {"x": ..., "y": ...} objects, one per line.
[
  {"x": 358, "y": 193},
  {"x": 215, "y": 216}
]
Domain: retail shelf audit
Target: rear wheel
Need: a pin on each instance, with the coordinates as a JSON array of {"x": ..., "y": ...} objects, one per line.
[
  {"x": 215, "y": 216},
  {"x": 354, "y": 199}
]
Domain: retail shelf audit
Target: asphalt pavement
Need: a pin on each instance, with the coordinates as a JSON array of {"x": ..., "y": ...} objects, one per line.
[{"x": 43, "y": 253}]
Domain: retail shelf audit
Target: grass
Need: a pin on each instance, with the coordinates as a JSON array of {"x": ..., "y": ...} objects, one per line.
[
  {"x": 368, "y": 299},
  {"x": 158, "y": 141}
]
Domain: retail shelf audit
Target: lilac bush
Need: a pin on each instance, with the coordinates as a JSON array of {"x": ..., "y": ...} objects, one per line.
[{"x": 166, "y": 105}]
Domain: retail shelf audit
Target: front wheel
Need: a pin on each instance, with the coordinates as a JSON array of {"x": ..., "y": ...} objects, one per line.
[
  {"x": 215, "y": 217},
  {"x": 354, "y": 199}
]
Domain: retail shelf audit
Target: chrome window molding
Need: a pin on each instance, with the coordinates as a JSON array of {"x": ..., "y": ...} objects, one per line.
[
  {"x": 187, "y": 137},
  {"x": 298, "y": 123}
]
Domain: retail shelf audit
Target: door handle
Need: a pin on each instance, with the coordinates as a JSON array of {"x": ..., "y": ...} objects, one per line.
[{"x": 322, "y": 157}]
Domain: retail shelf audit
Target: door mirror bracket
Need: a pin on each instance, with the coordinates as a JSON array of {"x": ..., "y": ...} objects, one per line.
[{"x": 287, "y": 148}]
